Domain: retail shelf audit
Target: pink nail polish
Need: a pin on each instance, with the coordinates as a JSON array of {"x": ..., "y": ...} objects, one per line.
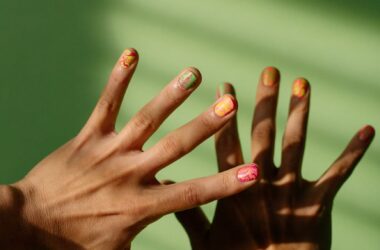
[
  {"x": 366, "y": 133},
  {"x": 248, "y": 173}
]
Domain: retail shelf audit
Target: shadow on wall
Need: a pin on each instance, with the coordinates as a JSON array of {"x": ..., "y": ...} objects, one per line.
[
  {"x": 48, "y": 50},
  {"x": 366, "y": 9}
]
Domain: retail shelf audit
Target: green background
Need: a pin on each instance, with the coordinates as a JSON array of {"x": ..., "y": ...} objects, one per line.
[{"x": 55, "y": 57}]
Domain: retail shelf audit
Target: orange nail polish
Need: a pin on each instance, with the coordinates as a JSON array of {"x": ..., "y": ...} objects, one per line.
[
  {"x": 128, "y": 58},
  {"x": 270, "y": 76},
  {"x": 300, "y": 87},
  {"x": 225, "y": 105},
  {"x": 248, "y": 173}
]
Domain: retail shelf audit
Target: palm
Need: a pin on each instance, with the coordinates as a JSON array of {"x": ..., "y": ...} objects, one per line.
[{"x": 282, "y": 210}]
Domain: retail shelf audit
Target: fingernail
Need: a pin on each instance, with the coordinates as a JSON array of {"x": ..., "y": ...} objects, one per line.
[
  {"x": 225, "y": 105},
  {"x": 300, "y": 87},
  {"x": 270, "y": 76},
  {"x": 366, "y": 133},
  {"x": 226, "y": 88},
  {"x": 248, "y": 173},
  {"x": 187, "y": 80},
  {"x": 128, "y": 58}
]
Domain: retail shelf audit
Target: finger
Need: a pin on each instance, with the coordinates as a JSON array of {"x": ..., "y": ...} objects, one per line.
[
  {"x": 227, "y": 143},
  {"x": 193, "y": 193},
  {"x": 152, "y": 115},
  {"x": 194, "y": 221},
  {"x": 183, "y": 140},
  {"x": 293, "y": 145},
  {"x": 196, "y": 225},
  {"x": 331, "y": 181},
  {"x": 264, "y": 120},
  {"x": 104, "y": 116}
]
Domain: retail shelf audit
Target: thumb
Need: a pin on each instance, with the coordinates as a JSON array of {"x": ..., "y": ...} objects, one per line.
[{"x": 195, "y": 223}]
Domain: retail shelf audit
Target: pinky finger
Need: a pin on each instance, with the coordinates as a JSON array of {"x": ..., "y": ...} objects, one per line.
[
  {"x": 193, "y": 193},
  {"x": 331, "y": 181}
]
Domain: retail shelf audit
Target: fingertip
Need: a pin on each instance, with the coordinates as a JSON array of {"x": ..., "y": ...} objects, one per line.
[
  {"x": 189, "y": 78},
  {"x": 367, "y": 133},
  {"x": 225, "y": 105},
  {"x": 270, "y": 76},
  {"x": 129, "y": 58},
  {"x": 301, "y": 87},
  {"x": 196, "y": 72},
  {"x": 247, "y": 173},
  {"x": 226, "y": 88}
]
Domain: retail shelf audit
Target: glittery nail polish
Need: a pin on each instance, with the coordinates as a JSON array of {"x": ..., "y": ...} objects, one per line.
[
  {"x": 270, "y": 76},
  {"x": 366, "y": 133},
  {"x": 187, "y": 80},
  {"x": 225, "y": 105},
  {"x": 300, "y": 87},
  {"x": 248, "y": 173},
  {"x": 128, "y": 58}
]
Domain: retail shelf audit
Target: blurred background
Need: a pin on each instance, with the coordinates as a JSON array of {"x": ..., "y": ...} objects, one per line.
[{"x": 55, "y": 57}]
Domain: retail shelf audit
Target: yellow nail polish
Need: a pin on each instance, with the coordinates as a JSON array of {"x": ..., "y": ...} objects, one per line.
[
  {"x": 300, "y": 87},
  {"x": 128, "y": 58},
  {"x": 270, "y": 76},
  {"x": 225, "y": 105}
]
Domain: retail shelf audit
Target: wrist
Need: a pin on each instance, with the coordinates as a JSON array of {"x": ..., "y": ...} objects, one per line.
[{"x": 15, "y": 231}]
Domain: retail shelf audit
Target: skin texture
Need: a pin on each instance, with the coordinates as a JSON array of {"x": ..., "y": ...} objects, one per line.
[
  {"x": 281, "y": 210},
  {"x": 99, "y": 189}
]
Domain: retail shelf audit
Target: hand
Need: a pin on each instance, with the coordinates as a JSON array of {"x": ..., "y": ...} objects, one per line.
[
  {"x": 99, "y": 190},
  {"x": 281, "y": 210}
]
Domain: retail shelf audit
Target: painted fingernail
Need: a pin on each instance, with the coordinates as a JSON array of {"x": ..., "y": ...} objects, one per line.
[
  {"x": 226, "y": 104},
  {"x": 187, "y": 80},
  {"x": 248, "y": 173},
  {"x": 270, "y": 76},
  {"x": 300, "y": 87},
  {"x": 128, "y": 58},
  {"x": 366, "y": 133},
  {"x": 226, "y": 88}
]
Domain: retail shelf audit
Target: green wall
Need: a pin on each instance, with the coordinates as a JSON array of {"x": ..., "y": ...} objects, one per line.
[{"x": 55, "y": 57}]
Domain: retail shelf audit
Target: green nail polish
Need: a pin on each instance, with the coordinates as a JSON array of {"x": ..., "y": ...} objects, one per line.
[{"x": 187, "y": 80}]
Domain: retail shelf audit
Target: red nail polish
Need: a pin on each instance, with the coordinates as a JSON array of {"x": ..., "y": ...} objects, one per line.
[
  {"x": 366, "y": 133},
  {"x": 248, "y": 173}
]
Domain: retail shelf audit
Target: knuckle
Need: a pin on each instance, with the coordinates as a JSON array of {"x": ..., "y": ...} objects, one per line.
[
  {"x": 192, "y": 196},
  {"x": 207, "y": 122},
  {"x": 143, "y": 121},
  {"x": 172, "y": 146},
  {"x": 225, "y": 183},
  {"x": 106, "y": 106}
]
